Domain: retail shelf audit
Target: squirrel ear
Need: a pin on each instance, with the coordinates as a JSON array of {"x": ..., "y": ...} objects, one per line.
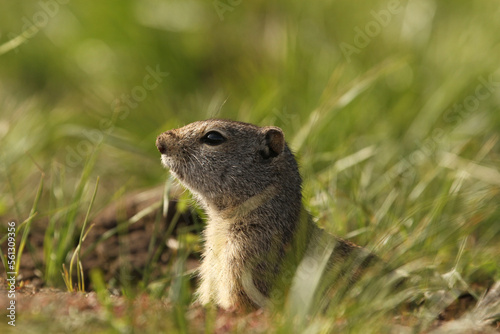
[{"x": 275, "y": 141}]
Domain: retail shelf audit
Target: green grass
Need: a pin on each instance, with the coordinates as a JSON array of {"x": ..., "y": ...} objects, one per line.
[{"x": 386, "y": 157}]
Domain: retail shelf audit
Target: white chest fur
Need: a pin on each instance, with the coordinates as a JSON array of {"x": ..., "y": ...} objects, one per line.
[{"x": 219, "y": 277}]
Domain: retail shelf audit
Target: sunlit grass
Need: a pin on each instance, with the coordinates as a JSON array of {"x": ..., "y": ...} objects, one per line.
[{"x": 387, "y": 159}]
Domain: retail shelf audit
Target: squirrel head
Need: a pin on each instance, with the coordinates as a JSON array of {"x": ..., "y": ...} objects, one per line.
[{"x": 226, "y": 162}]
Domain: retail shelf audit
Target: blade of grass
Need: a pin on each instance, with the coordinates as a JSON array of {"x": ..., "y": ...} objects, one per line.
[
  {"x": 17, "y": 41},
  {"x": 51, "y": 236},
  {"x": 27, "y": 224},
  {"x": 76, "y": 253},
  {"x": 337, "y": 100},
  {"x": 67, "y": 230}
]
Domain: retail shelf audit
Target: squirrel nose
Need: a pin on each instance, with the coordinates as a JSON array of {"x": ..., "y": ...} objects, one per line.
[{"x": 161, "y": 144}]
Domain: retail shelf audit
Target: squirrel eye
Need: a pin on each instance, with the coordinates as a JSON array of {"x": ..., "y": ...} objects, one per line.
[{"x": 213, "y": 138}]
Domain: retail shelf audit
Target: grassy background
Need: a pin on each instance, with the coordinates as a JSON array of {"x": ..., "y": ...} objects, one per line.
[{"x": 398, "y": 148}]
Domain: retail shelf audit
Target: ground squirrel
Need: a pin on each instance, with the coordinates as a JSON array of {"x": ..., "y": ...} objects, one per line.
[{"x": 247, "y": 180}]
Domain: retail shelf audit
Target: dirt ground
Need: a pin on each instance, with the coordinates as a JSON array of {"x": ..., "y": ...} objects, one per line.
[{"x": 48, "y": 309}]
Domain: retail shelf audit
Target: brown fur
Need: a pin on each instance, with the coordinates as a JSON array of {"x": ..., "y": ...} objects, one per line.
[{"x": 250, "y": 188}]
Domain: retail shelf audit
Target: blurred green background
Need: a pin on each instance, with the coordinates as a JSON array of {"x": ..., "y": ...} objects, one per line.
[
  {"x": 391, "y": 106},
  {"x": 400, "y": 82}
]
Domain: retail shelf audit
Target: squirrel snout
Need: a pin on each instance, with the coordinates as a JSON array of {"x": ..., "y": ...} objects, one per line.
[{"x": 161, "y": 143}]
